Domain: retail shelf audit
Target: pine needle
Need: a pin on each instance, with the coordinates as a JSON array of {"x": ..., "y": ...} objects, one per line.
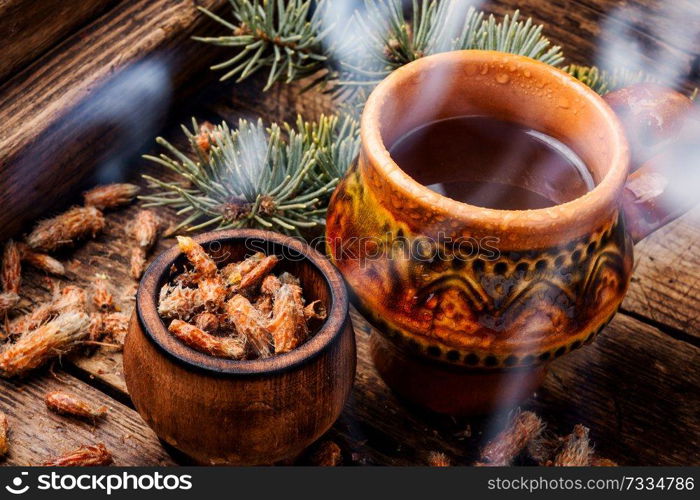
[{"x": 279, "y": 177}]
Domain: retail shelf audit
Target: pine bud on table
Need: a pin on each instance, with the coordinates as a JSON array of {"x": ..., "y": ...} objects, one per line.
[
  {"x": 110, "y": 195},
  {"x": 144, "y": 230},
  {"x": 4, "y": 430},
  {"x": 69, "y": 404},
  {"x": 70, "y": 298},
  {"x": 11, "y": 273},
  {"x": 35, "y": 348},
  {"x": 501, "y": 451},
  {"x": 438, "y": 459},
  {"x": 65, "y": 229},
  {"x": 85, "y": 456},
  {"x": 577, "y": 450},
  {"x": 328, "y": 454},
  {"x": 41, "y": 261},
  {"x": 101, "y": 297}
]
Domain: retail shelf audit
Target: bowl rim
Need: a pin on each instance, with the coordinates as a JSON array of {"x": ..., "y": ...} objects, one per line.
[{"x": 155, "y": 330}]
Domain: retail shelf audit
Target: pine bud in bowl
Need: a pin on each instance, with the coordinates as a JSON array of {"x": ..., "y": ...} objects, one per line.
[{"x": 240, "y": 350}]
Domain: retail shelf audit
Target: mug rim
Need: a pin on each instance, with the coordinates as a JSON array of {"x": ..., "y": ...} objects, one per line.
[
  {"x": 154, "y": 328},
  {"x": 605, "y": 194}
]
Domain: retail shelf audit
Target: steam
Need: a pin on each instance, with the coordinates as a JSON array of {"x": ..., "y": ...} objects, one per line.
[{"x": 134, "y": 103}]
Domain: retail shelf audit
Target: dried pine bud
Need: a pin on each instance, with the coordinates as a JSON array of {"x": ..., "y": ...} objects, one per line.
[
  {"x": 110, "y": 195},
  {"x": 209, "y": 322},
  {"x": 264, "y": 304},
  {"x": 543, "y": 448},
  {"x": 95, "y": 327},
  {"x": 315, "y": 310},
  {"x": 270, "y": 285},
  {"x": 602, "y": 462},
  {"x": 233, "y": 273},
  {"x": 250, "y": 324},
  {"x": 71, "y": 298},
  {"x": 577, "y": 450},
  {"x": 115, "y": 326},
  {"x": 144, "y": 230},
  {"x": 101, "y": 297},
  {"x": 204, "y": 265},
  {"x": 11, "y": 273},
  {"x": 525, "y": 427},
  {"x": 137, "y": 262},
  {"x": 288, "y": 325},
  {"x": 8, "y": 301},
  {"x": 69, "y": 404},
  {"x": 199, "y": 340},
  {"x": 40, "y": 260},
  {"x": 210, "y": 293},
  {"x": 258, "y": 272},
  {"x": 177, "y": 302},
  {"x": 4, "y": 431},
  {"x": 35, "y": 348},
  {"x": 65, "y": 229},
  {"x": 438, "y": 459},
  {"x": 85, "y": 456},
  {"x": 328, "y": 454},
  {"x": 206, "y": 137}
]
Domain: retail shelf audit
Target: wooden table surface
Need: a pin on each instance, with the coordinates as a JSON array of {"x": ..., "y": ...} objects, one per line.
[{"x": 637, "y": 386}]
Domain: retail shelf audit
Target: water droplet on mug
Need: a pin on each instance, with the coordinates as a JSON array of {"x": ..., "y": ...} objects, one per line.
[
  {"x": 527, "y": 73},
  {"x": 502, "y": 78}
]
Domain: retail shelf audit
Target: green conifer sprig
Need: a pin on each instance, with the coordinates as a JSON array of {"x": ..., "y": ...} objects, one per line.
[
  {"x": 278, "y": 177},
  {"x": 284, "y": 36},
  {"x": 299, "y": 38}
]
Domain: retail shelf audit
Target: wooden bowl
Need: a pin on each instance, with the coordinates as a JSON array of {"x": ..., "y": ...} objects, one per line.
[{"x": 221, "y": 411}]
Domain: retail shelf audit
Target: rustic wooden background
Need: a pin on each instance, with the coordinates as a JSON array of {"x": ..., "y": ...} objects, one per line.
[{"x": 637, "y": 387}]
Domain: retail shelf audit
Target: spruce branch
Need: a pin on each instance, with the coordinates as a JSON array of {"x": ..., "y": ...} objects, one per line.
[
  {"x": 285, "y": 37},
  {"x": 279, "y": 177},
  {"x": 301, "y": 38},
  {"x": 391, "y": 41}
]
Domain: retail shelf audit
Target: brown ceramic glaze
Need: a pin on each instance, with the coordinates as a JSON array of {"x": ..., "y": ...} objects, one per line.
[
  {"x": 468, "y": 333},
  {"x": 221, "y": 411}
]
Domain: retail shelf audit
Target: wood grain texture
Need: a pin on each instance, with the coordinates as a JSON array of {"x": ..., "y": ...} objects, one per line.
[
  {"x": 636, "y": 388},
  {"x": 30, "y": 28},
  {"x": 36, "y": 434},
  {"x": 90, "y": 99},
  {"x": 666, "y": 284}
]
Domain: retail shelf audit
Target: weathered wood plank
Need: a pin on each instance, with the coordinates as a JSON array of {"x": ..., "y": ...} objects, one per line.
[
  {"x": 636, "y": 388},
  {"x": 37, "y": 434},
  {"x": 60, "y": 117},
  {"x": 30, "y": 28},
  {"x": 666, "y": 285}
]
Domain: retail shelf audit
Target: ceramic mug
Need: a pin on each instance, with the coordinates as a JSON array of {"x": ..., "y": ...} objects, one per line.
[{"x": 468, "y": 335}]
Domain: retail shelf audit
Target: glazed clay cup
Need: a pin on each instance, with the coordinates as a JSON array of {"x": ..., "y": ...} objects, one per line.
[{"x": 467, "y": 334}]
